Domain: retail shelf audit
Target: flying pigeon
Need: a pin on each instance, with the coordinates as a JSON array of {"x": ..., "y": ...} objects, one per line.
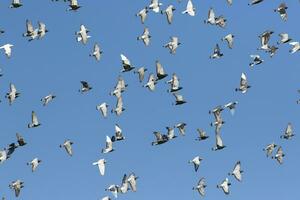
[
  {"x": 155, "y": 6},
  {"x": 202, "y": 135},
  {"x": 201, "y": 186},
  {"x": 108, "y": 145},
  {"x": 288, "y": 133},
  {"x": 103, "y": 109},
  {"x": 196, "y": 162},
  {"x": 126, "y": 64},
  {"x": 217, "y": 52},
  {"x": 160, "y": 73},
  {"x": 229, "y": 39},
  {"x": 73, "y": 5},
  {"x": 279, "y": 155},
  {"x": 160, "y": 138},
  {"x": 82, "y": 34},
  {"x": 7, "y": 49},
  {"x": 68, "y": 147},
  {"x": 101, "y": 165},
  {"x": 179, "y": 100},
  {"x": 169, "y": 13},
  {"x": 141, "y": 72},
  {"x": 96, "y": 52},
  {"x": 47, "y": 99},
  {"x": 143, "y": 14},
  {"x": 119, "y": 107},
  {"x": 118, "y": 134},
  {"x": 282, "y": 11},
  {"x": 15, "y": 4},
  {"x": 237, "y": 172},
  {"x": 34, "y": 164},
  {"x": 225, "y": 186},
  {"x": 174, "y": 82},
  {"x": 172, "y": 45},
  {"x": 219, "y": 143},
  {"x": 190, "y": 9},
  {"x": 243, "y": 84},
  {"x": 85, "y": 87},
  {"x": 12, "y": 94},
  {"x": 17, "y": 185},
  {"x": 270, "y": 148},
  {"x": 145, "y": 37},
  {"x": 34, "y": 121},
  {"x": 256, "y": 60}
]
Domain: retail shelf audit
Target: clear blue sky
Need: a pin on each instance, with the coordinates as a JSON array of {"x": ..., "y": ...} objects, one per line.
[{"x": 57, "y": 64}]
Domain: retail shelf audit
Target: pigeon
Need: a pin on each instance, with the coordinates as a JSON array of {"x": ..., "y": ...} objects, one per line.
[
  {"x": 237, "y": 172},
  {"x": 82, "y": 34},
  {"x": 119, "y": 107},
  {"x": 125, "y": 185},
  {"x": 7, "y": 49},
  {"x": 190, "y": 9},
  {"x": 17, "y": 185},
  {"x": 243, "y": 84},
  {"x": 126, "y": 64},
  {"x": 101, "y": 165},
  {"x": 221, "y": 21},
  {"x": 219, "y": 143},
  {"x": 73, "y": 5},
  {"x": 47, "y": 99},
  {"x": 132, "y": 181},
  {"x": 11, "y": 149},
  {"x": 272, "y": 50},
  {"x": 256, "y": 60},
  {"x": 253, "y": 2},
  {"x": 34, "y": 164},
  {"x": 160, "y": 138},
  {"x": 12, "y": 94},
  {"x": 295, "y": 47},
  {"x": 85, "y": 87},
  {"x": 225, "y": 186},
  {"x": 231, "y": 106},
  {"x": 141, "y": 72},
  {"x": 96, "y": 52},
  {"x": 174, "y": 82},
  {"x": 145, "y": 37},
  {"x": 160, "y": 73},
  {"x": 34, "y": 35},
  {"x": 114, "y": 189},
  {"x": 211, "y": 19},
  {"x": 279, "y": 155},
  {"x": 218, "y": 119},
  {"x": 3, "y": 155},
  {"x": 201, "y": 186},
  {"x": 143, "y": 14},
  {"x": 229, "y": 39},
  {"x": 179, "y": 100},
  {"x": 42, "y": 30},
  {"x": 15, "y": 4},
  {"x": 119, "y": 88},
  {"x": 68, "y": 147},
  {"x": 169, "y": 13},
  {"x": 270, "y": 148},
  {"x": 217, "y": 52},
  {"x": 284, "y": 38},
  {"x": 172, "y": 45},
  {"x": 196, "y": 162},
  {"x": 264, "y": 39},
  {"x": 202, "y": 135},
  {"x": 108, "y": 147},
  {"x": 229, "y": 2},
  {"x": 155, "y": 6},
  {"x": 20, "y": 140},
  {"x": 29, "y": 29},
  {"x": 103, "y": 109},
  {"x": 151, "y": 82},
  {"x": 181, "y": 128},
  {"x": 118, "y": 134},
  {"x": 170, "y": 133},
  {"x": 288, "y": 133},
  {"x": 34, "y": 121},
  {"x": 282, "y": 11}
]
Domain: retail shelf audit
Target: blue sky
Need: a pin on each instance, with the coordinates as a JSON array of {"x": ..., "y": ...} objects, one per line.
[{"x": 57, "y": 64}]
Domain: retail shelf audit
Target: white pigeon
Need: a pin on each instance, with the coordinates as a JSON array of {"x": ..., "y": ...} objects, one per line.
[
  {"x": 12, "y": 94},
  {"x": 190, "y": 9},
  {"x": 243, "y": 84},
  {"x": 181, "y": 128},
  {"x": 118, "y": 134},
  {"x": 279, "y": 155},
  {"x": 270, "y": 148},
  {"x": 132, "y": 181},
  {"x": 42, "y": 30},
  {"x": 145, "y": 37},
  {"x": 119, "y": 88},
  {"x": 237, "y": 172},
  {"x": 114, "y": 189},
  {"x": 284, "y": 38},
  {"x": 225, "y": 186},
  {"x": 15, "y": 4},
  {"x": 179, "y": 100},
  {"x": 256, "y": 60},
  {"x": 201, "y": 186},
  {"x": 119, "y": 106},
  {"x": 211, "y": 19},
  {"x": 47, "y": 99},
  {"x": 155, "y": 6},
  {"x": 143, "y": 14},
  {"x": 108, "y": 145},
  {"x": 231, "y": 106},
  {"x": 172, "y": 45},
  {"x": 288, "y": 133},
  {"x": 151, "y": 82},
  {"x": 96, "y": 52},
  {"x": 34, "y": 164},
  {"x": 202, "y": 135},
  {"x": 160, "y": 72},
  {"x": 101, "y": 166},
  {"x": 141, "y": 72},
  {"x": 73, "y": 5},
  {"x": 169, "y": 13},
  {"x": 34, "y": 121},
  {"x": 7, "y": 49},
  {"x": 82, "y": 34},
  {"x": 126, "y": 64},
  {"x": 295, "y": 47},
  {"x": 229, "y": 39},
  {"x": 16, "y": 186},
  {"x": 125, "y": 185},
  {"x": 68, "y": 147},
  {"x": 230, "y": 2},
  {"x": 103, "y": 109},
  {"x": 196, "y": 162},
  {"x": 29, "y": 29},
  {"x": 174, "y": 82}
]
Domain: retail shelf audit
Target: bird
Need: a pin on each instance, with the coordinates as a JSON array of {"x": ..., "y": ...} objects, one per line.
[
  {"x": 34, "y": 35},
  {"x": 126, "y": 64},
  {"x": 224, "y": 186},
  {"x": 282, "y": 11},
  {"x": 237, "y": 172},
  {"x": 103, "y": 109},
  {"x": 284, "y": 38},
  {"x": 143, "y": 14},
  {"x": 211, "y": 19},
  {"x": 219, "y": 143},
  {"x": 119, "y": 88},
  {"x": 288, "y": 133},
  {"x": 172, "y": 45},
  {"x": 160, "y": 72},
  {"x": 256, "y": 60},
  {"x": 196, "y": 162},
  {"x": 160, "y": 138},
  {"x": 34, "y": 164},
  {"x": 295, "y": 47},
  {"x": 229, "y": 2},
  {"x": 47, "y": 99},
  {"x": 272, "y": 50},
  {"x": 243, "y": 84},
  {"x": 231, "y": 106},
  {"x": 151, "y": 82},
  {"x": 108, "y": 145},
  {"x": 201, "y": 186},
  {"x": 181, "y": 127},
  {"x": 68, "y": 147},
  {"x": 179, "y": 100},
  {"x": 155, "y": 6},
  {"x": 42, "y": 30},
  {"x": 174, "y": 83},
  {"x": 264, "y": 39},
  {"x": 15, "y": 4},
  {"x": 221, "y": 21},
  {"x": 7, "y": 49},
  {"x": 16, "y": 185},
  {"x": 217, "y": 52},
  {"x": 169, "y": 13},
  {"x": 132, "y": 182},
  {"x": 20, "y": 140},
  {"x": 202, "y": 135},
  {"x": 145, "y": 37},
  {"x": 279, "y": 155},
  {"x": 101, "y": 166},
  {"x": 12, "y": 94},
  {"x": 141, "y": 72},
  {"x": 270, "y": 148},
  {"x": 229, "y": 39},
  {"x": 82, "y": 34},
  {"x": 96, "y": 52},
  {"x": 125, "y": 185},
  {"x": 118, "y": 134},
  {"x": 253, "y": 2},
  {"x": 119, "y": 106},
  {"x": 218, "y": 119},
  {"x": 190, "y": 9},
  {"x": 29, "y": 29},
  {"x": 114, "y": 189},
  {"x": 85, "y": 87},
  {"x": 170, "y": 133},
  {"x": 73, "y": 5},
  {"x": 34, "y": 121}
]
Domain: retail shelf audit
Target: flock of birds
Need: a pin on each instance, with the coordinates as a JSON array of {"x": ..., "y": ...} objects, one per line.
[{"x": 129, "y": 182}]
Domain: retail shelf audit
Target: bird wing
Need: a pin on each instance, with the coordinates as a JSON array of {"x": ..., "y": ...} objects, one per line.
[
  {"x": 34, "y": 118},
  {"x": 29, "y": 26},
  {"x": 219, "y": 141},
  {"x": 159, "y": 68},
  {"x": 108, "y": 143}
]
